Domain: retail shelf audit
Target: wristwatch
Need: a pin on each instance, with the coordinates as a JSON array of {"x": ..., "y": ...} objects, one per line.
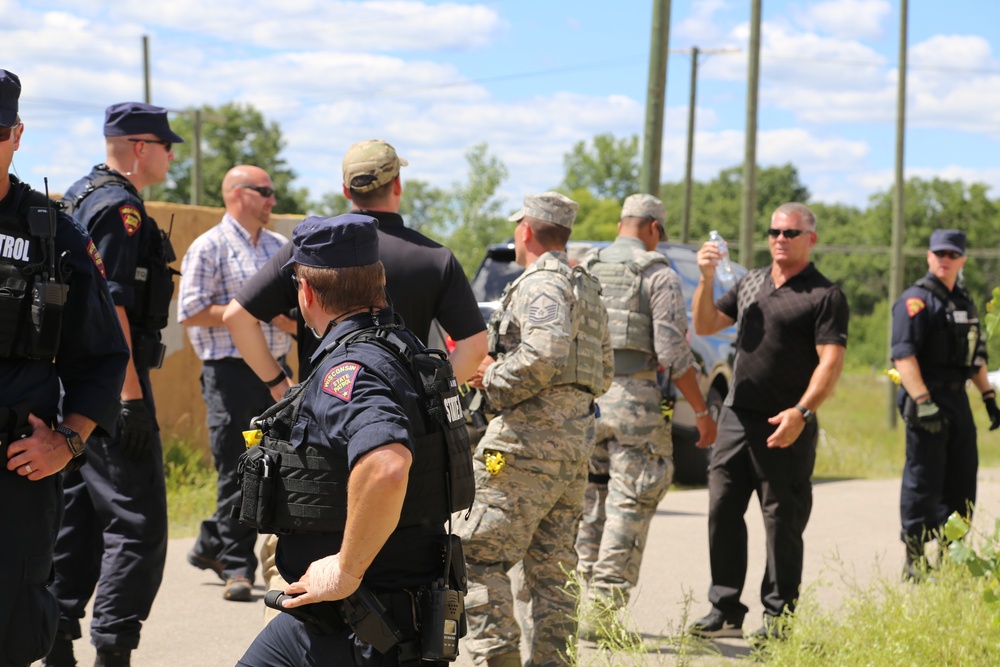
[
  {"x": 807, "y": 414},
  {"x": 73, "y": 441}
]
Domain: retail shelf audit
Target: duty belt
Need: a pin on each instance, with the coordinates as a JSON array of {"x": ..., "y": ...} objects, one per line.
[
  {"x": 949, "y": 386},
  {"x": 640, "y": 375}
]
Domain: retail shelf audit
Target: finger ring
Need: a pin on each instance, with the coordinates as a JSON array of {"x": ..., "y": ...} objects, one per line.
[{"x": 27, "y": 468}]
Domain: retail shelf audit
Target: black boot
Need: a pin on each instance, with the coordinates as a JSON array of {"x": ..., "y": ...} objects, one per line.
[
  {"x": 61, "y": 654},
  {"x": 113, "y": 657}
]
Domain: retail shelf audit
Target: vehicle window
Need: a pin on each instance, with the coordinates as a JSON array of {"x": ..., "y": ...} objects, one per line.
[{"x": 493, "y": 276}]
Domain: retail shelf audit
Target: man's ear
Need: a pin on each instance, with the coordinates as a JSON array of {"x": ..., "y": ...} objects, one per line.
[
  {"x": 397, "y": 186},
  {"x": 347, "y": 191}
]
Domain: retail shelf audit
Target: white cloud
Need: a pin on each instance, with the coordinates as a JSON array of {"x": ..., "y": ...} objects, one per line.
[
  {"x": 846, "y": 18},
  {"x": 703, "y": 25}
]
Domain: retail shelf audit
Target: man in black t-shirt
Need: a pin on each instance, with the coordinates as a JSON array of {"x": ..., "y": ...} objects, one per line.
[
  {"x": 424, "y": 282},
  {"x": 790, "y": 351}
]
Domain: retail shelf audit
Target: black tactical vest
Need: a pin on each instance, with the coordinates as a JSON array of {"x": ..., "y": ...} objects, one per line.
[
  {"x": 304, "y": 490},
  {"x": 33, "y": 280}
]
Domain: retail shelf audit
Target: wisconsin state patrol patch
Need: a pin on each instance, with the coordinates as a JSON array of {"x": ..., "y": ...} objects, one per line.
[
  {"x": 96, "y": 258},
  {"x": 914, "y": 306},
  {"x": 131, "y": 218},
  {"x": 543, "y": 309},
  {"x": 339, "y": 381}
]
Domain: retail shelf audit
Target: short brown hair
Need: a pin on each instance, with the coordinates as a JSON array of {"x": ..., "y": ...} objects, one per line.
[
  {"x": 549, "y": 236},
  {"x": 363, "y": 200},
  {"x": 348, "y": 288}
]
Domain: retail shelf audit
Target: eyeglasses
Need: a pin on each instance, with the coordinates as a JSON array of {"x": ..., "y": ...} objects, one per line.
[
  {"x": 262, "y": 190},
  {"x": 5, "y": 132},
  {"x": 166, "y": 144},
  {"x": 295, "y": 281},
  {"x": 950, "y": 254},
  {"x": 788, "y": 233}
]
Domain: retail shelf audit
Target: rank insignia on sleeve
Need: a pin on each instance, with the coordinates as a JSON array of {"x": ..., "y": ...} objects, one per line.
[
  {"x": 96, "y": 258},
  {"x": 131, "y": 218},
  {"x": 914, "y": 306},
  {"x": 543, "y": 309},
  {"x": 339, "y": 381}
]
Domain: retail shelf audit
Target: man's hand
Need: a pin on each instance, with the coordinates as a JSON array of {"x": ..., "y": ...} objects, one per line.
[
  {"x": 286, "y": 324},
  {"x": 136, "y": 425},
  {"x": 790, "y": 423},
  {"x": 708, "y": 258},
  {"x": 476, "y": 380},
  {"x": 707, "y": 431},
  {"x": 990, "y": 401},
  {"x": 323, "y": 581},
  {"x": 930, "y": 418},
  {"x": 39, "y": 455},
  {"x": 278, "y": 390}
]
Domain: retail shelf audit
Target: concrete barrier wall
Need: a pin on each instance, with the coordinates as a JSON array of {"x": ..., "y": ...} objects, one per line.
[{"x": 177, "y": 386}]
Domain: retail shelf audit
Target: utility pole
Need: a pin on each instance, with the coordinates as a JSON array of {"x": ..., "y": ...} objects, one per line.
[
  {"x": 898, "y": 201},
  {"x": 196, "y": 160},
  {"x": 750, "y": 147},
  {"x": 652, "y": 143},
  {"x": 145, "y": 69},
  {"x": 689, "y": 164}
]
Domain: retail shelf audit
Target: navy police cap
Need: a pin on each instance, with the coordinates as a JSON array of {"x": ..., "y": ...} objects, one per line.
[
  {"x": 129, "y": 118},
  {"x": 10, "y": 91},
  {"x": 333, "y": 243},
  {"x": 948, "y": 239}
]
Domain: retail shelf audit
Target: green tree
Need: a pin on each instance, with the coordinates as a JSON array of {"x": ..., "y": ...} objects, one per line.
[
  {"x": 609, "y": 167},
  {"x": 596, "y": 219},
  {"x": 230, "y": 135}
]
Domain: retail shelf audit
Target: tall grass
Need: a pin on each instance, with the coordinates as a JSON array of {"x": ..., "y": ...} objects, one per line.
[{"x": 191, "y": 484}]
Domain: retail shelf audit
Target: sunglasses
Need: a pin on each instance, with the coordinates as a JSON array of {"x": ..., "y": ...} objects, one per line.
[
  {"x": 5, "y": 132},
  {"x": 262, "y": 190},
  {"x": 788, "y": 233},
  {"x": 950, "y": 254},
  {"x": 166, "y": 144}
]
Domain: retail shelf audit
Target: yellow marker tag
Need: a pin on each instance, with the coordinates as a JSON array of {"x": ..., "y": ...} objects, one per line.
[
  {"x": 494, "y": 461},
  {"x": 667, "y": 409},
  {"x": 253, "y": 437},
  {"x": 893, "y": 375}
]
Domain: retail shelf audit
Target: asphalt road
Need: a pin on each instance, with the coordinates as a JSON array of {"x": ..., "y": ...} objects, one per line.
[{"x": 853, "y": 533}]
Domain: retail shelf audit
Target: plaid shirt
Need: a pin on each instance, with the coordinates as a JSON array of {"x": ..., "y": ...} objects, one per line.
[{"x": 214, "y": 268}]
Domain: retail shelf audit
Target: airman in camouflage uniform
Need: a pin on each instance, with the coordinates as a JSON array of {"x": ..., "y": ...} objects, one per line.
[
  {"x": 550, "y": 356},
  {"x": 632, "y": 464}
]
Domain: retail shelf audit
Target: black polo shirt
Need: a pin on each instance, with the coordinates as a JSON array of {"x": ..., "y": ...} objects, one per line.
[
  {"x": 423, "y": 278},
  {"x": 779, "y": 329}
]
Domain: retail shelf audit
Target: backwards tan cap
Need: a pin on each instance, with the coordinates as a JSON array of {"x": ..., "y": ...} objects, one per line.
[{"x": 371, "y": 164}]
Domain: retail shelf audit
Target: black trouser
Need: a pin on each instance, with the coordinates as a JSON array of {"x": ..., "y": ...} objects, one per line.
[
  {"x": 233, "y": 396},
  {"x": 939, "y": 476},
  {"x": 742, "y": 465},
  {"x": 30, "y": 513}
]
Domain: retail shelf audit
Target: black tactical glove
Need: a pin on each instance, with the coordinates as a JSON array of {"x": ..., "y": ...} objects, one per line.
[
  {"x": 990, "y": 401},
  {"x": 136, "y": 429},
  {"x": 930, "y": 418}
]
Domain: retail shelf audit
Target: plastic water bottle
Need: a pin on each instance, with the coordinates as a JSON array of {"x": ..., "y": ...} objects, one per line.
[{"x": 724, "y": 269}]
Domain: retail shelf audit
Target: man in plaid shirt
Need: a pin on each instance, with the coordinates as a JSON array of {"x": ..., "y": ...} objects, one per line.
[{"x": 214, "y": 268}]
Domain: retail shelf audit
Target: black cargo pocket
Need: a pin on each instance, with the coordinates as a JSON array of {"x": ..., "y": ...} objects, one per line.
[
  {"x": 32, "y": 629},
  {"x": 12, "y": 290}
]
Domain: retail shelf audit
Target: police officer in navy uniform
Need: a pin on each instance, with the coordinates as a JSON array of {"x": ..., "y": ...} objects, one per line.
[
  {"x": 114, "y": 536},
  {"x": 360, "y": 404},
  {"x": 937, "y": 345},
  {"x": 77, "y": 342}
]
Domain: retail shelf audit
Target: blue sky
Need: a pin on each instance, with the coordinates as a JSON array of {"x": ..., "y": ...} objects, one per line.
[{"x": 529, "y": 78}]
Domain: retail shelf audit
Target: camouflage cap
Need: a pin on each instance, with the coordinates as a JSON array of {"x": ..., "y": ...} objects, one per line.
[
  {"x": 644, "y": 206},
  {"x": 548, "y": 207},
  {"x": 371, "y": 164}
]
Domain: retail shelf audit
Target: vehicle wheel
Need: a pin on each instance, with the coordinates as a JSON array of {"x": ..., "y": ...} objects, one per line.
[{"x": 691, "y": 463}]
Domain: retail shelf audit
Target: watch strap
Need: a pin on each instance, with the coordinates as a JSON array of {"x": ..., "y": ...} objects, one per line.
[
  {"x": 807, "y": 414},
  {"x": 73, "y": 440}
]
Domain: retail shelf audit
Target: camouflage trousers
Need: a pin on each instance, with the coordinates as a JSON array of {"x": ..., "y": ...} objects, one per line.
[
  {"x": 630, "y": 471},
  {"x": 526, "y": 511}
]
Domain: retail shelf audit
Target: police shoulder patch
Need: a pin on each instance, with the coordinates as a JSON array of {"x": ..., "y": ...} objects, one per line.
[
  {"x": 96, "y": 258},
  {"x": 339, "y": 381},
  {"x": 914, "y": 305},
  {"x": 131, "y": 217},
  {"x": 543, "y": 309}
]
